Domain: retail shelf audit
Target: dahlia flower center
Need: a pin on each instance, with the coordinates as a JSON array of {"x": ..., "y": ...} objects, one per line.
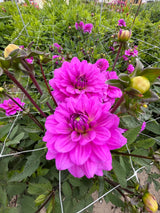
[
  {"x": 10, "y": 103},
  {"x": 81, "y": 83},
  {"x": 79, "y": 122}
]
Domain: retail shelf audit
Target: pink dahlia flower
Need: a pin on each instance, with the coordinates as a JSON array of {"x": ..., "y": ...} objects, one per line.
[
  {"x": 79, "y": 25},
  {"x": 29, "y": 60},
  {"x": 131, "y": 52},
  {"x": 75, "y": 78},
  {"x": 102, "y": 64},
  {"x": 111, "y": 92},
  {"x": 121, "y": 23},
  {"x": 80, "y": 135},
  {"x": 125, "y": 58},
  {"x": 88, "y": 28},
  {"x": 11, "y": 107},
  {"x": 130, "y": 68},
  {"x": 59, "y": 48}
]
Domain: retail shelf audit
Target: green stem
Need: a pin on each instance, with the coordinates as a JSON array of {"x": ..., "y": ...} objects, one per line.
[
  {"x": 116, "y": 59},
  {"x": 35, "y": 81},
  {"x": 117, "y": 104},
  {"x": 42, "y": 71},
  {"x": 28, "y": 113},
  {"x": 25, "y": 92},
  {"x": 46, "y": 201},
  {"x": 132, "y": 155}
]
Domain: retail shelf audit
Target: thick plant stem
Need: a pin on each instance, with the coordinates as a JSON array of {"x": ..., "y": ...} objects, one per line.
[
  {"x": 116, "y": 59},
  {"x": 25, "y": 92},
  {"x": 132, "y": 155},
  {"x": 42, "y": 71},
  {"x": 52, "y": 194},
  {"x": 117, "y": 104},
  {"x": 28, "y": 113},
  {"x": 35, "y": 82}
]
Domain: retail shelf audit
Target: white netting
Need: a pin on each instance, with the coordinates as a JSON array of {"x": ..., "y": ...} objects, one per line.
[{"x": 22, "y": 33}]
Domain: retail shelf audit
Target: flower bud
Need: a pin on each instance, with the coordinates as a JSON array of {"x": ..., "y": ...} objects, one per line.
[
  {"x": 150, "y": 202},
  {"x": 1, "y": 89},
  {"x": 140, "y": 83},
  {"x": 124, "y": 35},
  {"x": 9, "y": 49},
  {"x": 145, "y": 105}
]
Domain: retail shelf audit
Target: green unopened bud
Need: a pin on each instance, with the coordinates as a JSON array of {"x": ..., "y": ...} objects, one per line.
[
  {"x": 41, "y": 57},
  {"x": 9, "y": 49},
  {"x": 124, "y": 35},
  {"x": 150, "y": 202},
  {"x": 140, "y": 83},
  {"x": 1, "y": 89}
]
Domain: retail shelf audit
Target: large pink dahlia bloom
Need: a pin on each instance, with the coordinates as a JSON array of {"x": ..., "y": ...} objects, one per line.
[
  {"x": 75, "y": 78},
  {"x": 80, "y": 135},
  {"x": 11, "y": 107}
]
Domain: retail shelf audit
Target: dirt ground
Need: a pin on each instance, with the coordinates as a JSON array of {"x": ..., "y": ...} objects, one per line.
[{"x": 102, "y": 207}]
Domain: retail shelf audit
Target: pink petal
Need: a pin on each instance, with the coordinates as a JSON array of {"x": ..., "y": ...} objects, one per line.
[
  {"x": 64, "y": 144},
  {"x": 90, "y": 168},
  {"x": 63, "y": 161},
  {"x": 51, "y": 155},
  {"x": 87, "y": 137},
  {"x": 102, "y": 135},
  {"x": 75, "y": 136},
  {"x": 102, "y": 152},
  {"x": 80, "y": 154},
  {"x": 76, "y": 171},
  {"x": 117, "y": 140}
]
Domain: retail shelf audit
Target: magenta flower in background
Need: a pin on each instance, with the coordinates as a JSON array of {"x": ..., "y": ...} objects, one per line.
[
  {"x": 75, "y": 78},
  {"x": 102, "y": 64},
  {"x": 79, "y": 25},
  {"x": 131, "y": 52},
  {"x": 110, "y": 93},
  {"x": 121, "y": 23},
  {"x": 125, "y": 58},
  {"x": 80, "y": 135},
  {"x": 88, "y": 28},
  {"x": 11, "y": 107},
  {"x": 30, "y": 60},
  {"x": 59, "y": 48},
  {"x": 59, "y": 58},
  {"x": 143, "y": 126},
  {"x": 111, "y": 48},
  {"x": 21, "y": 46},
  {"x": 130, "y": 68}
]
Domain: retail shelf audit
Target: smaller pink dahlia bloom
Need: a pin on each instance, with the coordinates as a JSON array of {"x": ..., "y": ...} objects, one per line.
[
  {"x": 59, "y": 48},
  {"x": 130, "y": 68},
  {"x": 30, "y": 60},
  {"x": 111, "y": 92},
  {"x": 79, "y": 25},
  {"x": 75, "y": 78},
  {"x": 131, "y": 52},
  {"x": 11, "y": 107},
  {"x": 121, "y": 23},
  {"x": 80, "y": 135},
  {"x": 102, "y": 64},
  {"x": 88, "y": 28},
  {"x": 125, "y": 58}
]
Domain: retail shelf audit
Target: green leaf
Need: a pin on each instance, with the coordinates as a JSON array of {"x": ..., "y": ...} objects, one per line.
[
  {"x": 14, "y": 131},
  {"x": 124, "y": 78},
  {"x": 151, "y": 73},
  {"x": 27, "y": 205},
  {"x": 132, "y": 134},
  {"x": 146, "y": 143},
  {"x": 4, "y": 130},
  {"x": 119, "y": 172},
  {"x": 66, "y": 189},
  {"x": 39, "y": 188},
  {"x": 3, "y": 197},
  {"x": 74, "y": 181},
  {"x": 15, "y": 188},
  {"x": 115, "y": 200},
  {"x": 128, "y": 121},
  {"x": 154, "y": 127},
  {"x": 40, "y": 199},
  {"x": 30, "y": 167},
  {"x": 16, "y": 140}
]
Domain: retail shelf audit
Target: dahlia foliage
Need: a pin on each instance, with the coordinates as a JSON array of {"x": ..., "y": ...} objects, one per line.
[{"x": 82, "y": 131}]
